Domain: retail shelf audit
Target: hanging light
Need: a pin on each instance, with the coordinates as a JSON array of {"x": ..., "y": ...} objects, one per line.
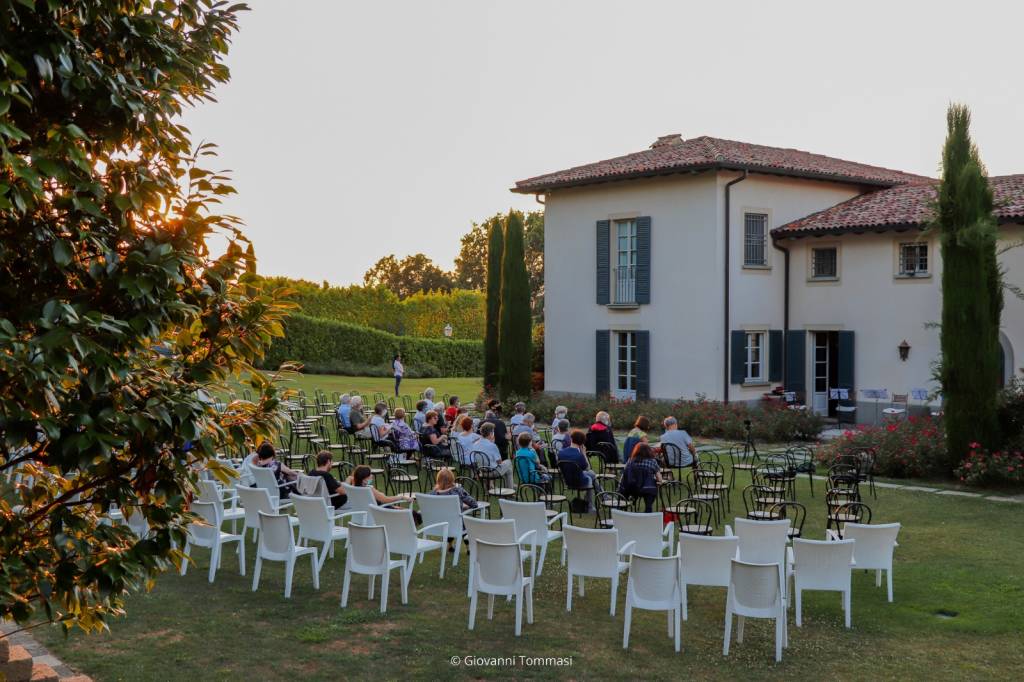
[
  {"x": 448, "y": 331},
  {"x": 904, "y": 349}
]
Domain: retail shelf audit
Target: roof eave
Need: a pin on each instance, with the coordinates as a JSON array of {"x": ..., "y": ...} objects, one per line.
[
  {"x": 784, "y": 232},
  {"x": 696, "y": 168}
]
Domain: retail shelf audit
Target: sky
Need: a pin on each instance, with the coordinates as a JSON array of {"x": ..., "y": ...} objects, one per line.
[{"x": 358, "y": 129}]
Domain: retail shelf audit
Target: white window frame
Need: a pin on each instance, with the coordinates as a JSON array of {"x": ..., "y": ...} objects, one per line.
[
  {"x": 629, "y": 378},
  {"x": 624, "y": 284},
  {"x": 900, "y": 271},
  {"x": 812, "y": 276},
  {"x": 748, "y": 242},
  {"x": 761, "y": 360}
]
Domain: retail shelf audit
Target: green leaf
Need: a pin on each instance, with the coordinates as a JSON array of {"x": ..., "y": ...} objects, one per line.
[
  {"x": 62, "y": 252},
  {"x": 5, "y": 104},
  {"x": 44, "y": 67}
]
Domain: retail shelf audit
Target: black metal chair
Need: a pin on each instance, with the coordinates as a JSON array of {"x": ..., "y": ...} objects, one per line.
[
  {"x": 756, "y": 508},
  {"x": 847, "y": 512},
  {"x": 398, "y": 479},
  {"x": 606, "y": 480},
  {"x": 699, "y": 517},
  {"x": 606, "y": 501},
  {"x": 743, "y": 457},
  {"x": 802, "y": 457},
  {"x": 571, "y": 473},
  {"x": 698, "y": 485},
  {"x": 344, "y": 470},
  {"x": 491, "y": 479},
  {"x": 863, "y": 460},
  {"x": 795, "y": 512}
]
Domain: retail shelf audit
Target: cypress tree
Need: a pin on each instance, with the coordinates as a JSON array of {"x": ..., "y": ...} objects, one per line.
[
  {"x": 972, "y": 299},
  {"x": 495, "y": 247},
  {"x": 514, "y": 329}
]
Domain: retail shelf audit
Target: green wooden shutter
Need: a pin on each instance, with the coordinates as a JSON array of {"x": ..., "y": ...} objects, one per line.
[
  {"x": 775, "y": 355},
  {"x": 738, "y": 356},
  {"x": 796, "y": 355},
  {"x": 845, "y": 363},
  {"x": 643, "y": 365},
  {"x": 603, "y": 367},
  {"x": 604, "y": 268},
  {"x": 643, "y": 259}
]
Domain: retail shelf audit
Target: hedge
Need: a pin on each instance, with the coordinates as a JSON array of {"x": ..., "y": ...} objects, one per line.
[
  {"x": 321, "y": 344},
  {"x": 423, "y": 314}
]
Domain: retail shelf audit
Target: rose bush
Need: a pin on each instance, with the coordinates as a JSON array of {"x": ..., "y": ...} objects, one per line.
[
  {"x": 982, "y": 467},
  {"x": 911, "y": 448}
]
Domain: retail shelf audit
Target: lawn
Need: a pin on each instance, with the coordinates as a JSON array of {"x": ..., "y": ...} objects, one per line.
[
  {"x": 466, "y": 388},
  {"x": 959, "y": 593}
]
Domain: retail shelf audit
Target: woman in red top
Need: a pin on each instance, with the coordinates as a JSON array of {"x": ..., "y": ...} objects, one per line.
[{"x": 452, "y": 410}]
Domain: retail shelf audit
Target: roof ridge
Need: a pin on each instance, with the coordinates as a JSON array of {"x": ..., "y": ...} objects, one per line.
[{"x": 710, "y": 144}]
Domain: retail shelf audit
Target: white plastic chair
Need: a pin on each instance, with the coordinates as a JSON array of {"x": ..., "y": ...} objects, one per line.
[
  {"x": 874, "y": 548},
  {"x": 368, "y": 555},
  {"x": 499, "y": 572},
  {"x": 765, "y": 542},
  {"x": 532, "y": 516},
  {"x": 405, "y": 540},
  {"x": 651, "y": 535},
  {"x": 254, "y": 501},
  {"x": 653, "y": 585},
  {"x": 755, "y": 592},
  {"x": 437, "y": 509},
  {"x": 704, "y": 560},
  {"x": 264, "y": 478},
  {"x": 498, "y": 531},
  {"x": 318, "y": 522},
  {"x": 208, "y": 534},
  {"x": 822, "y": 565},
  {"x": 209, "y": 491},
  {"x": 594, "y": 553},
  {"x": 277, "y": 543}
]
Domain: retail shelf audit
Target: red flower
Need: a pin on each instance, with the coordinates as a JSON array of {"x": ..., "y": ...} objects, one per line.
[{"x": 974, "y": 445}]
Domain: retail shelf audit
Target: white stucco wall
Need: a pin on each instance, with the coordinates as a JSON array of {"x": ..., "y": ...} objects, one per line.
[
  {"x": 882, "y": 310},
  {"x": 757, "y": 294},
  {"x": 685, "y": 286}
]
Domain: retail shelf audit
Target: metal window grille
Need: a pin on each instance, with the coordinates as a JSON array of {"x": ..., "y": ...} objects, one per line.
[
  {"x": 754, "y": 229},
  {"x": 823, "y": 263},
  {"x": 913, "y": 258},
  {"x": 625, "y": 272}
]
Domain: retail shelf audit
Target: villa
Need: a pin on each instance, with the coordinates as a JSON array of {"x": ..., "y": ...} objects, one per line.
[{"x": 725, "y": 269}]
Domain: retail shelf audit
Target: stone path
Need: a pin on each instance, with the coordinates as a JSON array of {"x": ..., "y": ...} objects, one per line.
[
  {"x": 1012, "y": 499},
  {"x": 39, "y": 653}
]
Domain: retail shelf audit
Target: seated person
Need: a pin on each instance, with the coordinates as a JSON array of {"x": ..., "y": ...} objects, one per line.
[
  {"x": 445, "y": 485},
  {"x": 493, "y": 416},
  {"x": 378, "y": 421},
  {"x": 362, "y": 477},
  {"x": 684, "y": 451},
  {"x": 400, "y": 432},
  {"x": 467, "y": 439},
  {"x": 517, "y": 417},
  {"x": 560, "y": 439},
  {"x": 601, "y": 432},
  {"x": 420, "y": 418},
  {"x": 266, "y": 457},
  {"x": 585, "y": 479},
  {"x": 452, "y": 409},
  {"x": 323, "y": 470},
  {"x": 435, "y": 443},
  {"x": 442, "y": 423},
  {"x": 360, "y": 422},
  {"x": 641, "y": 476},
  {"x": 485, "y": 453},
  {"x": 638, "y": 434},
  {"x": 561, "y": 412},
  {"x": 344, "y": 409},
  {"x": 528, "y": 466}
]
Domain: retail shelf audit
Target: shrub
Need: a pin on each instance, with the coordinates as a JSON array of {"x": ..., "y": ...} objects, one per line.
[
  {"x": 982, "y": 467},
  {"x": 911, "y": 448},
  {"x": 770, "y": 422},
  {"x": 325, "y": 343}
]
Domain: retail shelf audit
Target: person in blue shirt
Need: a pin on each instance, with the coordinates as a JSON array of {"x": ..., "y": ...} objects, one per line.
[
  {"x": 529, "y": 469},
  {"x": 575, "y": 453},
  {"x": 345, "y": 412}
]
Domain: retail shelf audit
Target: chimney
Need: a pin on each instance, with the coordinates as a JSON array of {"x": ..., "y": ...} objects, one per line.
[{"x": 668, "y": 140}]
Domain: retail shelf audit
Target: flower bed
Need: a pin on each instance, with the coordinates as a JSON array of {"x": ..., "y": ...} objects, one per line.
[
  {"x": 911, "y": 448},
  {"x": 707, "y": 418},
  {"x": 982, "y": 467}
]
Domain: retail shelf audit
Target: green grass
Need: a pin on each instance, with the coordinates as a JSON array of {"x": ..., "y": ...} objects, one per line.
[
  {"x": 956, "y": 554},
  {"x": 466, "y": 388}
]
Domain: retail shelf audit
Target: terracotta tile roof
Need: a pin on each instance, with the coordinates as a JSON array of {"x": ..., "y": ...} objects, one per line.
[
  {"x": 672, "y": 154},
  {"x": 902, "y": 206}
]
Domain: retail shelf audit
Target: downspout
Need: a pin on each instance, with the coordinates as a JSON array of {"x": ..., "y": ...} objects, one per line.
[
  {"x": 725, "y": 325},
  {"x": 785, "y": 309},
  {"x": 538, "y": 198}
]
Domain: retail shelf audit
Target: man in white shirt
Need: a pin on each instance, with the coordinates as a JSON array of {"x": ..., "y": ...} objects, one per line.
[
  {"x": 520, "y": 412},
  {"x": 491, "y": 456}
]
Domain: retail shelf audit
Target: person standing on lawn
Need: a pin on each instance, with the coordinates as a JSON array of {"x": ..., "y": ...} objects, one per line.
[{"x": 399, "y": 369}]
